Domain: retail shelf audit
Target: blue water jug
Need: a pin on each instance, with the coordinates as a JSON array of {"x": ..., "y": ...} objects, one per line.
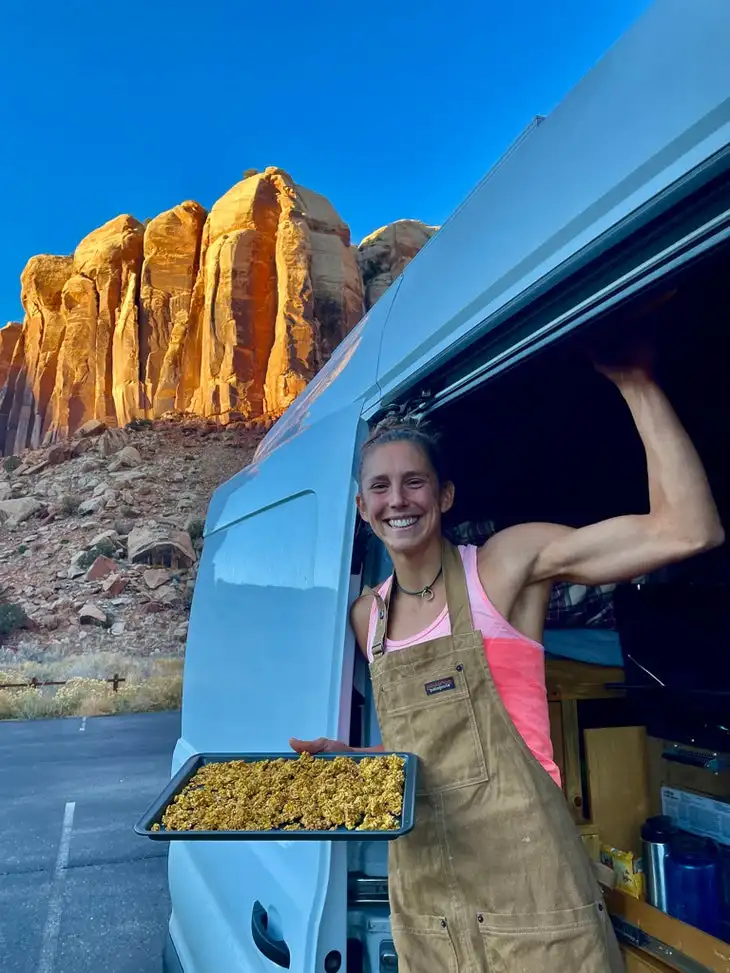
[{"x": 693, "y": 883}]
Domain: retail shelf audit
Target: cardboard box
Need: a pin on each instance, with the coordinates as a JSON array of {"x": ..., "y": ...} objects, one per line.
[{"x": 628, "y": 869}]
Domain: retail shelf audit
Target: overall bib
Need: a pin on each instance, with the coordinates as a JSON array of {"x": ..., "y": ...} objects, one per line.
[{"x": 494, "y": 877}]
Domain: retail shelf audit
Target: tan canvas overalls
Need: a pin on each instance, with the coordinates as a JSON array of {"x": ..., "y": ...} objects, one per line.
[{"x": 494, "y": 876}]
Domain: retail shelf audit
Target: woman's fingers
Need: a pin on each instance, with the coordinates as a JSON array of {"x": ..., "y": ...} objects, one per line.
[
  {"x": 308, "y": 746},
  {"x": 320, "y": 745}
]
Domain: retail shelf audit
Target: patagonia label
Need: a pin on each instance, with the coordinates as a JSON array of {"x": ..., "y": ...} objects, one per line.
[{"x": 440, "y": 686}]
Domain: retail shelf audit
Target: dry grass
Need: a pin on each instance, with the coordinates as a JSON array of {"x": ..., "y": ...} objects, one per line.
[{"x": 150, "y": 684}]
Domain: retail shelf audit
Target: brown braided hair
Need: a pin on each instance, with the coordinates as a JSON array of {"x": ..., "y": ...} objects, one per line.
[{"x": 400, "y": 427}]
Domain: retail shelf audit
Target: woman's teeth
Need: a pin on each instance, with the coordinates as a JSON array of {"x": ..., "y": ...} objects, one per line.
[{"x": 402, "y": 522}]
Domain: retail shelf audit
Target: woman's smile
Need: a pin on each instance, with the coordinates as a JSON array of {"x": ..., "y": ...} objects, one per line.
[{"x": 402, "y": 523}]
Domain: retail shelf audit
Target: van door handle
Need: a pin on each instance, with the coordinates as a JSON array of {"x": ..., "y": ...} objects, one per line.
[{"x": 275, "y": 950}]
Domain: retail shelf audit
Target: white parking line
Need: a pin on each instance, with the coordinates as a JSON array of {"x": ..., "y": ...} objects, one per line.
[
  {"x": 83, "y": 724},
  {"x": 52, "y": 927}
]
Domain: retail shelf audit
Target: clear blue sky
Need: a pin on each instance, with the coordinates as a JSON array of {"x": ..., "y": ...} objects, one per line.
[{"x": 391, "y": 108}]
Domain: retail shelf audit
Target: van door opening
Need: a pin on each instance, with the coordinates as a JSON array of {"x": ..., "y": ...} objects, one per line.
[{"x": 551, "y": 440}]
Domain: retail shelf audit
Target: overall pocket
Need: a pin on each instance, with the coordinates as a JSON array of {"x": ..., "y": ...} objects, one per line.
[
  {"x": 568, "y": 941},
  {"x": 432, "y": 715},
  {"x": 423, "y": 944}
]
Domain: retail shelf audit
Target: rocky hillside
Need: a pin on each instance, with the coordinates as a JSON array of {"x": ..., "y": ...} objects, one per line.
[
  {"x": 224, "y": 315},
  {"x": 100, "y": 536}
]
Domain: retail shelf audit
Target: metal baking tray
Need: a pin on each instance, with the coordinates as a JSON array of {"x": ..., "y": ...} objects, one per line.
[{"x": 154, "y": 813}]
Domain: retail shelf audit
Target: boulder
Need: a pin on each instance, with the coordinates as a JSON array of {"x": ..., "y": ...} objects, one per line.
[
  {"x": 22, "y": 508},
  {"x": 6, "y": 490},
  {"x": 48, "y": 621},
  {"x": 128, "y": 457},
  {"x": 155, "y": 577},
  {"x": 82, "y": 446},
  {"x": 153, "y": 607},
  {"x": 167, "y": 595},
  {"x": 91, "y": 506},
  {"x": 160, "y": 545},
  {"x": 118, "y": 628},
  {"x": 113, "y": 585},
  {"x": 101, "y": 568},
  {"x": 32, "y": 469},
  {"x": 106, "y": 537},
  {"x": 94, "y": 427},
  {"x": 111, "y": 441},
  {"x": 91, "y": 614},
  {"x": 59, "y": 453}
]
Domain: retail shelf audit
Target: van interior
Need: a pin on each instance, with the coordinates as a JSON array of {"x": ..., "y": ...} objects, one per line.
[{"x": 638, "y": 674}]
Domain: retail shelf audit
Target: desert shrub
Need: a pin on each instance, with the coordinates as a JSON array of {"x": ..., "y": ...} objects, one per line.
[
  {"x": 137, "y": 425},
  {"x": 26, "y": 704},
  {"x": 22, "y": 548},
  {"x": 154, "y": 684},
  {"x": 12, "y": 617},
  {"x": 11, "y": 463},
  {"x": 69, "y": 503},
  {"x": 196, "y": 528},
  {"x": 156, "y": 693},
  {"x": 80, "y": 690},
  {"x": 106, "y": 547},
  {"x": 34, "y": 704}
]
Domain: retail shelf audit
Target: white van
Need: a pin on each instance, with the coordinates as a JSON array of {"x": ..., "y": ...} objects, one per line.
[{"x": 622, "y": 192}]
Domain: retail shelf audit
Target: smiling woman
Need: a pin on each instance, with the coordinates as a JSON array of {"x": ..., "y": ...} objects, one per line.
[
  {"x": 453, "y": 639},
  {"x": 404, "y": 493}
]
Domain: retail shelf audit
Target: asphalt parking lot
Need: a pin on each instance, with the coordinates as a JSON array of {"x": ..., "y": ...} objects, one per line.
[{"x": 79, "y": 891}]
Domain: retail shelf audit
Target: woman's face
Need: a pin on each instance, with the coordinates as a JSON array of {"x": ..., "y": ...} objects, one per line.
[{"x": 401, "y": 498}]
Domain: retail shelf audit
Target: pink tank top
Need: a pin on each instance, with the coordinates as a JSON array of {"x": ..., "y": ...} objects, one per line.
[{"x": 517, "y": 663}]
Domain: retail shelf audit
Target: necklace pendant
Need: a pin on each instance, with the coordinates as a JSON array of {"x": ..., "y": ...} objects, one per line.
[{"x": 427, "y": 594}]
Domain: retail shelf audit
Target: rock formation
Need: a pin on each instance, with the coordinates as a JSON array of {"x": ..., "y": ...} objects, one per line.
[
  {"x": 171, "y": 250},
  {"x": 9, "y": 336},
  {"x": 24, "y": 407},
  {"x": 383, "y": 255},
  {"x": 225, "y": 315}
]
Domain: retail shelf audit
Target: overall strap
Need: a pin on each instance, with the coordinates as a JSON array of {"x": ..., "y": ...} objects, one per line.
[
  {"x": 457, "y": 600},
  {"x": 457, "y": 593},
  {"x": 381, "y": 625}
]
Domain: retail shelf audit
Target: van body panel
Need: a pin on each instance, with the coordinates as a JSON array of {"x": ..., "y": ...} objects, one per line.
[
  {"x": 267, "y": 659},
  {"x": 653, "y": 109}
]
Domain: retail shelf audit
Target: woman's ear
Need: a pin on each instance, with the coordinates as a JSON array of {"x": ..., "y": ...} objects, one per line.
[
  {"x": 361, "y": 508},
  {"x": 447, "y": 496}
]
